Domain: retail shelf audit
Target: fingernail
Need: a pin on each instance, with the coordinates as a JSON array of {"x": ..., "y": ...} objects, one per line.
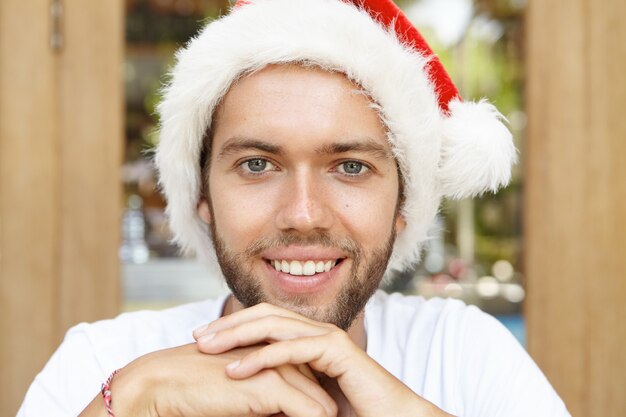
[
  {"x": 201, "y": 328},
  {"x": 206, "y": 338},
  {"x": 233, "y": 365}
]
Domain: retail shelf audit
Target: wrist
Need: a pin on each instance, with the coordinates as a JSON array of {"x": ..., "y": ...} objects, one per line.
[{"x": 131, "y": 393}]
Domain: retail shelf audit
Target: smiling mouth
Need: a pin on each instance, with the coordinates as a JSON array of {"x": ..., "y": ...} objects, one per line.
[{"x": 307, "y": 268}]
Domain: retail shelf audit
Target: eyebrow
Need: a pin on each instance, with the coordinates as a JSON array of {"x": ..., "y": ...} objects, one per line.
[
  {"x": 368, "y": 146},
  {"x": 238, "y": 144}
]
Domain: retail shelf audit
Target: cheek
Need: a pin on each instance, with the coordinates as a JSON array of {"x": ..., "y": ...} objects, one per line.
[
  {"x": 367, "y": 213},
  {"x": 242, "y": 213}
]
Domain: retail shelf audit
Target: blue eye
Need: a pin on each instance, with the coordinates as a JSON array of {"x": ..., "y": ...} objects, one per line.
[
  {"x": 352, "y": 168},
  {"x": 257, "y": 165}
]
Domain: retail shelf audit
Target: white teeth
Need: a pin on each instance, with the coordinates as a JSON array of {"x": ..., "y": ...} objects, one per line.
[
  {"x": 309, "y": 268},
  {"x": 303, "y": 268},
  {"x": 295, "y": 268}
]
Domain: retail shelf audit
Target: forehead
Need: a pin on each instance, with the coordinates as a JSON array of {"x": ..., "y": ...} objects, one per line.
[{"x": 289, "y": 102}]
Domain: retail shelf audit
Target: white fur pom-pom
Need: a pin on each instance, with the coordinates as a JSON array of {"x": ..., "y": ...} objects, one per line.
[{"x": 477, "y": 150}]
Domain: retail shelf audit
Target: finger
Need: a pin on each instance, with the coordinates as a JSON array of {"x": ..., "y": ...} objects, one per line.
[
  {"x": 283, "y": 397},
  {"x": 326, "y": 353},
  {"x": 266, "y": 329},
  {"x": 246, "y": 315},
  {"x": 309, "y": 387},
  {"x": 297, "y": 404},
  {"x": 306, "y": 371}
]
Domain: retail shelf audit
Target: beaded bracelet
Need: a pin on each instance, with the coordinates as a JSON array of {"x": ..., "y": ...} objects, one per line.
[{"x": 106, "y": 393}]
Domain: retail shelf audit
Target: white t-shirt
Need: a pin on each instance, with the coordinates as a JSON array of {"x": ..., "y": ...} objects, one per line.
[{"x": 454, "y": 355}]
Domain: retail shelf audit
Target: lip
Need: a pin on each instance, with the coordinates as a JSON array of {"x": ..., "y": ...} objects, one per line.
[{"x": 291, "y": 284}]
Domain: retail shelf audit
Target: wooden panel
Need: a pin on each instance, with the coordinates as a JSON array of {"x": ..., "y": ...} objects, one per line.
[
  {"x": 606, "y": 225},
  {"x": 91, "y": 131},
  {"x": 28, "y": 197},
  {"x": 575, "y": 235},
  {"x": 60, "y": 152}
]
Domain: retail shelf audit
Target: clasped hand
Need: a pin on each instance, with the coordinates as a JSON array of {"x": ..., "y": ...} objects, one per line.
[{"x": 365, "y": 389}]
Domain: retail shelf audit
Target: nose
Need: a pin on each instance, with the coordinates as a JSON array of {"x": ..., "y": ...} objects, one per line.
[{"x": 304, "y": 204}]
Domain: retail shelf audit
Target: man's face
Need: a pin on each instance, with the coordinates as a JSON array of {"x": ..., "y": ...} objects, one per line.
[{"x": 303, "y": 193}]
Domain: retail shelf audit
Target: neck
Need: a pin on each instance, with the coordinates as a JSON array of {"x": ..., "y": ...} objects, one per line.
[{"x": 356, "y": 331}]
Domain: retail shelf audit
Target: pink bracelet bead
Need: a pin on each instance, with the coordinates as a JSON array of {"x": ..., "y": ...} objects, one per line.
[{"x": 106, "y": 393}]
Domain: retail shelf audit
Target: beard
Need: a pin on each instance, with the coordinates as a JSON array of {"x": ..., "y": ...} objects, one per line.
[{"x": 365, "y": 275}]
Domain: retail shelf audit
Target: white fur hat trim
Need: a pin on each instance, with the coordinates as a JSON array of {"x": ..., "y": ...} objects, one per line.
[{"x": 457, "y": 155}]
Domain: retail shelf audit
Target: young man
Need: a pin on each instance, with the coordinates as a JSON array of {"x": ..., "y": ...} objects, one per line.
[{"x": 304, "y": 151}]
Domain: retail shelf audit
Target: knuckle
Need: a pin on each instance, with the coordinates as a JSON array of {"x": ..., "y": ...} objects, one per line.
[
  {"x": 259, "y": 404},
  {"x": 269, "y": 376},
  {"x": 339, "y": 336}
]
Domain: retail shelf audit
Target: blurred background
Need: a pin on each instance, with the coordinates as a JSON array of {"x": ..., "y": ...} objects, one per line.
[{"x": 83, "y": 234}]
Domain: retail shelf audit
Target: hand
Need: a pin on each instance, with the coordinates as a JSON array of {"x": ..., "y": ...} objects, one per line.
[
  {"x": 294, "y": 339},
  {"x": 185, "y": 382}
]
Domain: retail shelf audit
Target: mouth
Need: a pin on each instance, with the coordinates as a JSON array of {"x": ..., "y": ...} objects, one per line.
[{"x": 304, "y": 267}]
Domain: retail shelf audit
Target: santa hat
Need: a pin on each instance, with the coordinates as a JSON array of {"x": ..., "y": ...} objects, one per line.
[{"x": 444, "y": 147}]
